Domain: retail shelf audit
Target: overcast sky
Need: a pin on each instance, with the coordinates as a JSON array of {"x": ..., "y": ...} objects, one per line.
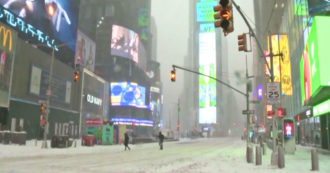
[{"x": 172, "y": 19}]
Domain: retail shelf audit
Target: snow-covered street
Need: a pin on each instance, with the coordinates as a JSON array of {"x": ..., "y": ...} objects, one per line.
[{"x": 198, "y": 155}]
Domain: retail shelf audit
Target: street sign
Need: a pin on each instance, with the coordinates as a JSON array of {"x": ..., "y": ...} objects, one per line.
[
  {"x": 248, "y": 112},
  {"x": 273, "y": 93}
]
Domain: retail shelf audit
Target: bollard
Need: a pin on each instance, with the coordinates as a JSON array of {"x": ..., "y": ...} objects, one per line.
[
  {"x": 281, "y": 163},
  {"x": 249, "y": 154},
  {"x": 258, "y": 156},
  {"x": 315, "y": 160}
]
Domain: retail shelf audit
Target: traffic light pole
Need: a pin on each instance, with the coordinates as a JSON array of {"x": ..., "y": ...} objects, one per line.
[
  {"x": 185, "y": 69},
  {"x": 253, "y": 35}
]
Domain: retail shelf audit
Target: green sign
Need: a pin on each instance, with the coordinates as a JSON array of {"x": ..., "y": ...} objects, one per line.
[
  {"x": 204, "y": 11},
  {"x": 314, "y": 64},
  {"x": 321, "y": 108}
]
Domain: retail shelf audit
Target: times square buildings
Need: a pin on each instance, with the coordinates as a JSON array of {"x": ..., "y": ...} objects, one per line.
[
  {"x": 114, "y": 85},
  {"x": 298, "y": 31}
]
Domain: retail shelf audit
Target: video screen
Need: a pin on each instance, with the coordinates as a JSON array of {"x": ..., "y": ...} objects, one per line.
[
  {"x": 124, "y": 43},
  {"x": 318, "y": 7},
  {"x": 128, "y": 94},
  {"x": 56, "y": 18},
  {"x": 288, "y": 130}
]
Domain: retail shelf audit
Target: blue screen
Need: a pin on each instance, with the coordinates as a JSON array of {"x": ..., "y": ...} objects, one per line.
[{"x": 127, "y": 94}]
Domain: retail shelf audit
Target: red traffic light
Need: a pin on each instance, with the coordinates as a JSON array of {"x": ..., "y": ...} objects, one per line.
[
  {"x": 76, "y": 76},
  {"x": 173, "y": 76},
  {"x": 281, "y": 112}
]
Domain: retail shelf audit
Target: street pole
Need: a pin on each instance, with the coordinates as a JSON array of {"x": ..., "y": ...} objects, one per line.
[
  {"x": 178, "y": 123},
  {"x": 48, "y": 95},
  {"x": 274, "y": 152},
  {"x": 247, "y": 104}
]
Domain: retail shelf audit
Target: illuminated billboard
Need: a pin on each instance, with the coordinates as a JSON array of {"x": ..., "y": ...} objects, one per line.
[
  {"x": 85, "y": 51},
  {"x": 204, "y": 11},
  {"x": 318, "y": 7},
  {"x": 314, "y": 63},
  {"x": 207, "y": 86},
  {"x": 282, "y": 65},
  {"x": 128, "y": 94},
  {"x": 7, "y": 49},
  {"x": 124, "y": 43},
  {"x": 46, "y": 21}
]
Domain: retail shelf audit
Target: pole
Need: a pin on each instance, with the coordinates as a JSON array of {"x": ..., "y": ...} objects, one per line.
[
  {"x": 274, "y": 152},
  {"x": 247, "y": 103},
  {"x": 48, "y": 94},
  {"x": 178, "y": 123}
]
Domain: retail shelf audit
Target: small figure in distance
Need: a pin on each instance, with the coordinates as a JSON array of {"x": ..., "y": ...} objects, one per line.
[
  {"x": 126, "y": 140},
  {"x": 161, "y": 140}
]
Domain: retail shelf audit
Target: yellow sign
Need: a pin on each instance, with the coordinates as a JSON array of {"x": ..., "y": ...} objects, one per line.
[
  {"x": 5, "y": 34},
  {"x": 282, "y": 65}
]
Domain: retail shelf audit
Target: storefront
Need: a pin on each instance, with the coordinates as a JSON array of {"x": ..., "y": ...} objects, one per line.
[{"x": 315, "y": 81}]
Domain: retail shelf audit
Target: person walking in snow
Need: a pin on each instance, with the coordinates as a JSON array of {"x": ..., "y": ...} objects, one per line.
[
  {"x": 126, "y": 140},
  {"x": 161, "y": 140}
]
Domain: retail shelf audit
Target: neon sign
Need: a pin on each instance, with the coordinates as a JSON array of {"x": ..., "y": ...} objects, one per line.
[{"x": 19, "y": 24}]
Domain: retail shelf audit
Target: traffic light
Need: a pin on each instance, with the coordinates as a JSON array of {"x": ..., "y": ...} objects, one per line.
[
  {"x": 173, "y": 75},
  {"x": 281, "y": 112},
  {"x": 43, "y": 108},
  {"x": 76, "y": 76},
  {"x": 242, "y": 43},
  {"x": 224, "y": 13},
  {"x": 43, "y": 121}
]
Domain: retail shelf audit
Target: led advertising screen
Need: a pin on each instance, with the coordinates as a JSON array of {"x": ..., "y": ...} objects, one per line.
[
  {"x": 128, "y": 94},
  {"x": 204, "y": 11},
  {"x": 314, "y": 63},
  {"x": 124, "y": 43},
  {"x": 85, "y": 51},
  {"x": 318, "y": 7},
  {"x": 207, "y": 86},
  {"x": 282, "y": 65},
  {"x": 93, "y": 95},
  {"x": 48, "y": 21},
  {"x": 7, "y": 49},
  {"x": 288, "y": 129},
  {"x": 300, "y": 7}
]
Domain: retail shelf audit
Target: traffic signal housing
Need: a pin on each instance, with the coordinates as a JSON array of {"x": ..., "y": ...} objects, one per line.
[
  {"x": 173, "y": 76},
  {"x": 76, "y": 76},
  {"x": 223, "y": 16},
  {"x": 242, "y": 42}
]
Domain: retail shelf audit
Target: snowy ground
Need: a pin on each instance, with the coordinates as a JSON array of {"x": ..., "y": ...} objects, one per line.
[{"x": 199, "y": 155}]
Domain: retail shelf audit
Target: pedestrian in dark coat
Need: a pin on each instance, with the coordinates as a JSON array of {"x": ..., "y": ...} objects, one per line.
[
  {"x": 161, "y": 140},
  {"x": 126, "y": 140}
]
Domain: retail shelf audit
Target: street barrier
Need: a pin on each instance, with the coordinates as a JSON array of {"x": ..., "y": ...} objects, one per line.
[
  {"x": 315, "y": 160},
  {"x": 258, "y": 156},
  {"x": 249, "y": 154},
  {"x": 281, "y": 161}
]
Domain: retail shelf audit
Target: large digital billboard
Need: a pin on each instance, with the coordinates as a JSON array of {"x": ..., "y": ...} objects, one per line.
[
  {"x": 318, "y": 6},
  {"x": 207, "y": 86},
  {"x": 281, "y": 64},
  {"x": 46, "y": 21},
  {"x": 124, "y": 43},
  {"x": 314, "y": 63},
  {"x": 128, "y": 94},
  {"x": 85, "y": 51},
  {"x": 7, "y": 49}
]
